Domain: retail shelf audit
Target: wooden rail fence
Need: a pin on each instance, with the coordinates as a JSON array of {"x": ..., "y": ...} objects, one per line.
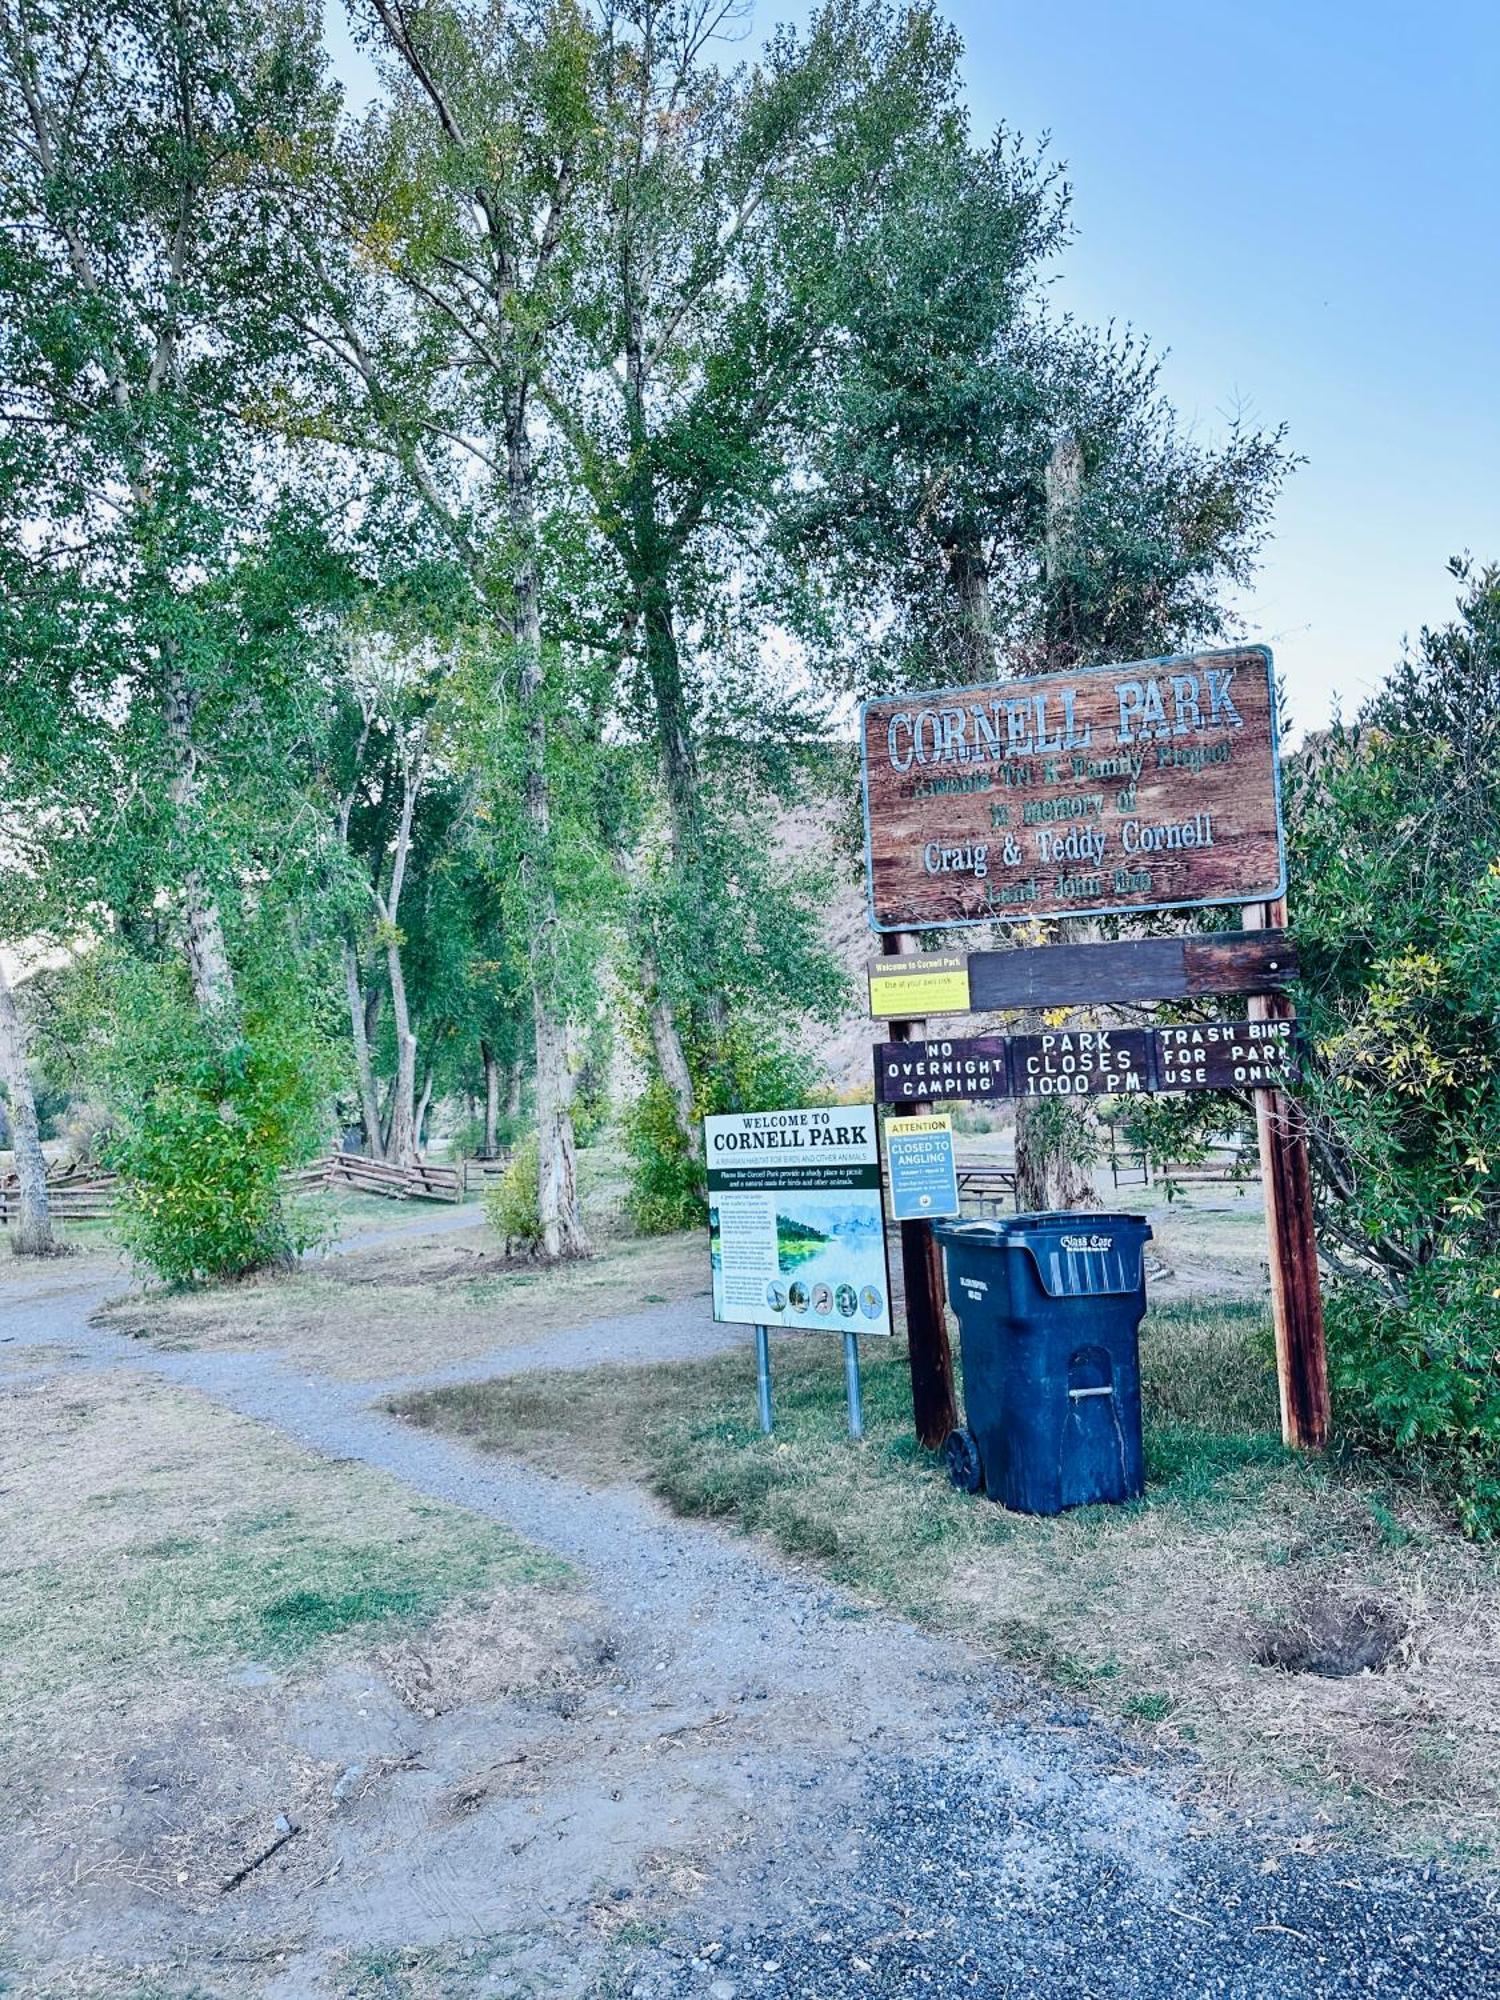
[
  {"x": 74, "y": 1194},
  {"x": 353, "y": 1170},
  {"x": 88, "y": 1194}
]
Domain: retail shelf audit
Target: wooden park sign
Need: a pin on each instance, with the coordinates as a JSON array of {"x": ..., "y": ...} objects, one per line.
[
  {"x": 1148, "y": 786},
  {"x": 1089, "y": 1062}
]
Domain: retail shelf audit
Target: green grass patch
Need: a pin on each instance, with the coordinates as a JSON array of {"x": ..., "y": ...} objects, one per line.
[{"x": 222, "y": 1541}]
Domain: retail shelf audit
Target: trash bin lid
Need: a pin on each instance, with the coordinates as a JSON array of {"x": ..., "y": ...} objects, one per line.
[{"x": 1077, "y": 1255}]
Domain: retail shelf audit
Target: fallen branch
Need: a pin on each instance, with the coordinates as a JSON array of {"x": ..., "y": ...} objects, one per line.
[{"x": 250, "y": 1866}]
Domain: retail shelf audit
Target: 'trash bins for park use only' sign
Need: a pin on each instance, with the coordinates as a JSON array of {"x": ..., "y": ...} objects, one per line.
[
  {"x": 796, "y": 1223},
  {"x": 1143, "y": 787}
]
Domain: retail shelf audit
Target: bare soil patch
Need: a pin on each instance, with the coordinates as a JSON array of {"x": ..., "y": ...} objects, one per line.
[
  {"x": 212, "y": 1646},
  {"x": 422, "y": 1304}
]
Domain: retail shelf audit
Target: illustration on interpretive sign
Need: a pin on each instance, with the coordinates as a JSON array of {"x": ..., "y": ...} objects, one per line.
[
  {"x": 795, "y": 1220},
  {"x": 1141, "y": 787}
]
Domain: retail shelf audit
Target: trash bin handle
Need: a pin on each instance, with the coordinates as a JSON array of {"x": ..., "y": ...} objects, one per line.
[{"x": 1105, "y": 1389}]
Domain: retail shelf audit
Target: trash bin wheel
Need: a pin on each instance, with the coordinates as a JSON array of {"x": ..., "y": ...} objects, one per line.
[{"x": 964, "y": 1468}]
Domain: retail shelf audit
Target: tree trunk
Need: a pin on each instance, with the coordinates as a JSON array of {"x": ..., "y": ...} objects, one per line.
[
  {"x": 562, "y": 1231},
  {"x": 33, "y": 1235},
  {"x": 401, "y": 1136},
  {"x": 671, "y": 1057},
  {"x": 969, "y": 575},
  {"x": 422, "y": 1103},
  {"x": 369, "y": 1103},
  {"x": 683, "y": 783},
  {"x": 1053, "y": 1136},
  {"x": 650, "y": 560},
  {"x": 513, "y": 1094},
  {"x": 491, "y": 1144},
  {"x": 207, "y": 955}
]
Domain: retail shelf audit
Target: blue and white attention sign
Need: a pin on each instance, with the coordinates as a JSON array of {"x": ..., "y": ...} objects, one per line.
[{"x": 924, "y": 1174}]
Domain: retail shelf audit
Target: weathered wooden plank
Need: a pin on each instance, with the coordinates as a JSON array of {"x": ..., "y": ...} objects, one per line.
[
  {"x": 934, "y": 1396},
  {"x": 1191, "y": 966},
  {"x": 1296, "y": 1291},
  {"x": 1088, "y": 1062},
  {"x": 1144, "y": 786},
  {"x": 967, "y": 1069},
  {"x": 1227, "y": 1055}
]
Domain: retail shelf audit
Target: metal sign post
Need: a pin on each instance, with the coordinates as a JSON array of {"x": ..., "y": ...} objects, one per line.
[
  {"x": 851, "y": 1384},
  {"x": 763, "y": 1376}
]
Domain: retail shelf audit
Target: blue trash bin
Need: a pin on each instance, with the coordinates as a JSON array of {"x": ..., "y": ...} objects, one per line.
[{"x": 1049, "y": 1311}]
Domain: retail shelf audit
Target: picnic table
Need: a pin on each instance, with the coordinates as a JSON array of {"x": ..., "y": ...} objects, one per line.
[{"x": 985, "y": 1184}]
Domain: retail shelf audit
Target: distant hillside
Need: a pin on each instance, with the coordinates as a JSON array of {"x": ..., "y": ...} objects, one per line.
[{"x": 845, "y": 1049}]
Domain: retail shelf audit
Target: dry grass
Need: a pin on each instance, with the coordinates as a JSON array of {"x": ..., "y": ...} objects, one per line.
[
  {"x": 1159, "y": 1613},
  {"x": 418, "y": 1305},
  {"x": 161, "y": 1531},
  {"x": 196, "y": 1616}
]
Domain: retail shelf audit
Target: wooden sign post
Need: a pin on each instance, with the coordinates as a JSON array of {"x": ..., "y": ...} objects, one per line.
[
  {"x": 1108, "y": 790},
  {"x": 1296, "y": 1295},
  {"x": 933, "y": 1399}
]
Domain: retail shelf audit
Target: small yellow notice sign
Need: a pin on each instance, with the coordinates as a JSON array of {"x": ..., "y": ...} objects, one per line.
[{"x": 907, "y": 989}]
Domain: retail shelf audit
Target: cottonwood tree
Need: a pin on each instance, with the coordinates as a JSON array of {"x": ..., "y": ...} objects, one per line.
[
  {"x": 706, "y": 300},
  {"x": 994, "y": 492},
  {"x": 441, "y": 249},
  {"x": 133, "y": 276}
]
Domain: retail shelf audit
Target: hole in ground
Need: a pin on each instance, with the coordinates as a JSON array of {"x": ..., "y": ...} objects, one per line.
[{"x": 1334, "y": 1637}]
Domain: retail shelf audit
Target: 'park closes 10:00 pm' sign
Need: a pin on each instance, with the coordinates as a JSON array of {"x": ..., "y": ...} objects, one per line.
[{"x": 1142, "y": 787}]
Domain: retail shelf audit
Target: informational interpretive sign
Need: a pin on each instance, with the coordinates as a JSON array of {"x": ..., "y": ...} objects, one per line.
[
  {"x": 923, "y": 1170},
  {"x": 1146, "y": 786},
  {"x": 1089, "y": 1062},
  {"x": 796, "y": 1224},
  {"x": 904, "y": 989}
]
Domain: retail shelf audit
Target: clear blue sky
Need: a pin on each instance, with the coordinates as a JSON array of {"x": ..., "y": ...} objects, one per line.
[{"x": 1302, "y": 203}]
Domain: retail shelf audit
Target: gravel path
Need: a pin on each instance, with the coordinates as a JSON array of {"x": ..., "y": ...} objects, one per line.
[{"x": 887, "y": 1813}]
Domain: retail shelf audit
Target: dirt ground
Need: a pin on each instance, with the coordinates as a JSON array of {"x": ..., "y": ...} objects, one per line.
[
  {"x": 417, "y": 1306},
  {"x": 211, "y": 1637},
  {"x": 303, "y": 1702}
]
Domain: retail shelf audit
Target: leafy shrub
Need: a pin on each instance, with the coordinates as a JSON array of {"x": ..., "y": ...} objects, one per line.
[
  {"x": 512, "y": 1204},
  {"x": 1420, "y": 1380},
  {"x": 211, "y": 1115},
  {"x": 1395, "y": 830},
  {"x": 756, "y": 1072}
]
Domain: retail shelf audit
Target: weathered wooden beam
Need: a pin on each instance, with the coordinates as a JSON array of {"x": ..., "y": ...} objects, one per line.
[
  {"x": 1170, "y": 968},
  {"x": 1296, "y": 1293},
  {"x": 934, "y": 1398}
]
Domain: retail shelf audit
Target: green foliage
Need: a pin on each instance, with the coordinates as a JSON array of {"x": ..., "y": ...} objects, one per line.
[
  {"x": 756, "y": 1068},
  {"x": 212, "y": 1114},
  {"x": 511, "y": 1204},
  {"x": 1396, "y": 840},
  {"x": 1396, "y": 847},
  {"x": 1419, "y": 1379}
]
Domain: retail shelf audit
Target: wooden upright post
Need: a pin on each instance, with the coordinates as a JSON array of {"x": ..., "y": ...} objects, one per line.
[
  {"x": 1296, "y": 1295},
  {"x": 934, "y": 1407}
]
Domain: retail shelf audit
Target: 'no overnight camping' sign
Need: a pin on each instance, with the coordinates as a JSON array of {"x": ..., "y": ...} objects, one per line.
[{"x": 1142, "y": 787}]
